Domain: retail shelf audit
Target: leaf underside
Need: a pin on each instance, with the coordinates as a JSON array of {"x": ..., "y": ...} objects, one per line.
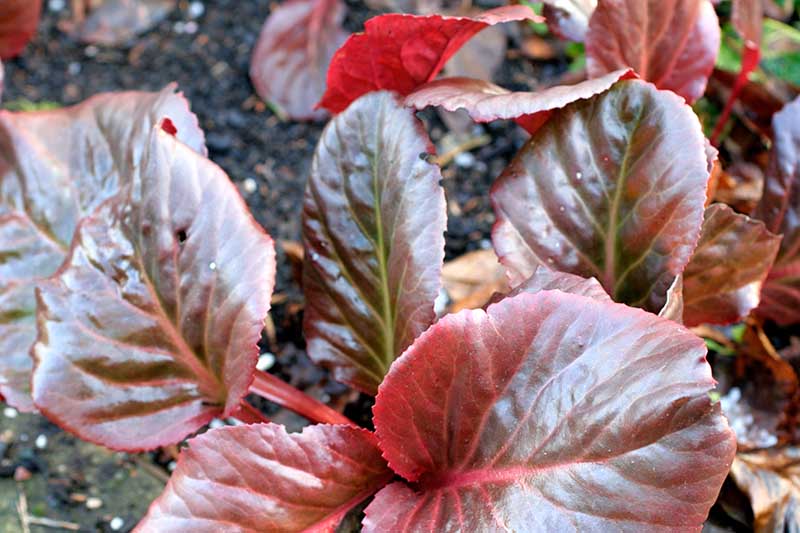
[
  {"x": 550, "y": 412},
  {"x": 150, "y": 328},
  {"x": 373, "y": 225},
  {"x": 599, "y": 192}
]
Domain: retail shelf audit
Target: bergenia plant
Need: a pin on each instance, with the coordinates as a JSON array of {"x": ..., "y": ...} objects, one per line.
[{"x": 518, "y": 417}]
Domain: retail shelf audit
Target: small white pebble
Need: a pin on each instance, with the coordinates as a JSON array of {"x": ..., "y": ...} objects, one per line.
[
  {"x": 216, "y": 423},
  {"x": 172, "y": 465},
  {"x": 179, "y": 26},
  {"x": 74, "y": 68},
  {"x": 10, "y": 412},
  {"x": 41, "y": 442},
  {"x": 116, "y": 523},
  {"x": 56, "y": 5},
  {"x": 249, "y": 185},
  {"x": 265, "y": 361},
  {"x": 94, "y": 503},
  {"x": 190, "y": 27},
  {"x": 196, "y": 9},
  {"x": 464, "y": 160},
  {"x": 212, "y": 265},
  {"x": 91, "y": 50}
]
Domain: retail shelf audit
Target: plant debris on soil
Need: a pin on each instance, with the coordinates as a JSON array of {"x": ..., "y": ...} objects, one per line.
[{"x": 49, "y": 478}]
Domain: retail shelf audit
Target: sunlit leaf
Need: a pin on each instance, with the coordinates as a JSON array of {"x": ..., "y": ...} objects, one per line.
[
  {"x": 611, "y": 187},
  {"x": 373, "y": 224},
  {"x": 150, "y": 328},
  {"x": 551, "y": 412}
]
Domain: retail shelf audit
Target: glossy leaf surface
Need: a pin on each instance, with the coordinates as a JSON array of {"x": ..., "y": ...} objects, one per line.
[
  {"x": 401, "y": 52},
  {"x": 261, "y": 478},
  {"x": 55, "y": 168},
  {"x": 780, "y": 210},
  {"x": 150, "y": 328},
  {"x": 551, "y": 412},
  {"x": 569, "y": 19},
  {"x": 293, "y": 52},
  {"x": 598, "y": 192},
  {"x": 373, "y": 224},
  {"x": 485, "y": 101},
  {"x": 18, "y": 22},
  {"x": 672, "y": 43},
  {"x": 722, "y": 282}
]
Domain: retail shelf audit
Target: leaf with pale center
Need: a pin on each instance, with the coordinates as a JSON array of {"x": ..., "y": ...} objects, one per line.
[
  {"x": 373, "y": 224},
  {"x": 550, "y": 412},
  {"x": 150, "y": 328},
  {"x": 611, "y": 187},
  {"x": 56, "y": 167}
]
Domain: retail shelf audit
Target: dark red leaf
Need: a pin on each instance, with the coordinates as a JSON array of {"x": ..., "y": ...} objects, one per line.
[
  {"x": 780, "y": 210},
  {"x": 485, "y": 101},
  {"x": 722, "y": 282},
  {"x": 373, "y": 223},
  {"x": 293, "y": 52},
  {"x": 599, "y": 192},
  {"x": 261, "y": 478},
  {"x": 18, "y": 22},
  {"x": 401, "y": 52},
  {"x": 55, "y": 168},
  {"x": 569, "y": 19},
  {"x": 150, "y": 328},
  {"x": 551, "y": 411},
  {"x": 672, "y": 43}
]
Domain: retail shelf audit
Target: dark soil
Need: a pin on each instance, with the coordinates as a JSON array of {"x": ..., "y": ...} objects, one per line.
[{"x": 255, "y": 148}]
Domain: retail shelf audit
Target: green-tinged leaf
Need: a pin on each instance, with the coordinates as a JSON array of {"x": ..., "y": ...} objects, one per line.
[
  {"x": 611, "y": 187},
  {"x": 373, "y": 223},
  {"x": 150, "y": 328}
]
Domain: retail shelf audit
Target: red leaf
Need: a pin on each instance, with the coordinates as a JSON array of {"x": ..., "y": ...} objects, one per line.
[
  {"x": 486, "y": 102},
  {"x": 598, "y": 192},
  {"x": 551, "y": 411},
  {"x": 722, "y": 282},
  {"x": 747, "y": 17},
  {"x": 672, "y": 43},
  {"x": 374, "y": 217},
  {"x": 569, "y": 19},
  {"x": 780, "y": 210},
  {"x": 18, "y": 22},
  {"x": 149, "y": 329},
  {"x": 293, "y": 52},
  {"x": 401, "y": 52},
  {"x": 261, "y": 478},
  {"x": 55, "y": 168}
]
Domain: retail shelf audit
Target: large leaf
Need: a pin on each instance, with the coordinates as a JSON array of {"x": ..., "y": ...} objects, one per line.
[
  {"x": 551, "y": 412},
  {"x": 599, "y": 192},
  {"x": 55, "y": 168},
  {"x": 373, "y": 224},
  {"x": 722, "y": 282},
  {"x": 485, "y": 101},
  {"x": 672, "y": 43},
  {"x": 293, "y": 52},
  {"x": 401, "y": 52},
  {"x": 150, "y": 328},
  {"x": 261, "y": 478},
  {"x": 569, "y": 19},
  {"x": 18, "y": 21},
  {"x": 780, "y": 210}
]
